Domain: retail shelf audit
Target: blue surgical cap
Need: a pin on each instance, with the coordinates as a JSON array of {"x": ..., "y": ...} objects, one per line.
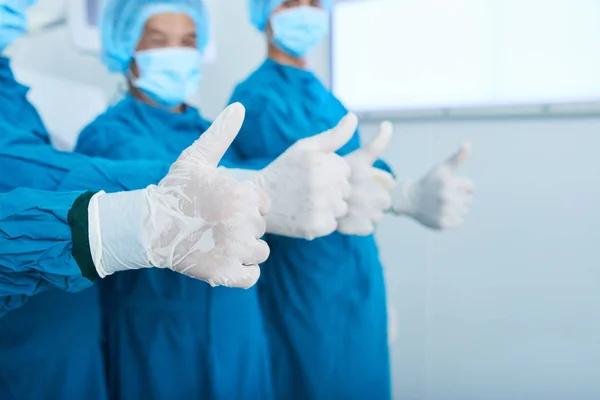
[
  {"x": 17, "y": 4},
  {"x": 260, "y": 10},
  {"x": 122, "y": 24}
]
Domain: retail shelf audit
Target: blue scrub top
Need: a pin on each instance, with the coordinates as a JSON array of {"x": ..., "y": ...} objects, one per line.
[
  {"x": 323, "y": 300},
  {"x": 202, "y": 342}
]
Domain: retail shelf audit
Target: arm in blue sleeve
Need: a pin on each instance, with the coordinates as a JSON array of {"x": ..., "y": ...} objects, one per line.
[
  {"x": 114, "y": 176},
  {"x": 40, "y": 166},
  {"x": 44, "y": 244}
]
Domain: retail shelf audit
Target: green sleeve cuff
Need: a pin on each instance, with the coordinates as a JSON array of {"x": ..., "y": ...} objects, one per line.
[{"x": 78, "y": 221}]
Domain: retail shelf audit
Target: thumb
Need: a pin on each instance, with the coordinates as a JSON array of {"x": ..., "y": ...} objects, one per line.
[
  {"x": 334, "y": 139},
  {"x": 460, "y": 156},
  {"x": 212, "y": 144},
  {"x": 377, "y": 146}
]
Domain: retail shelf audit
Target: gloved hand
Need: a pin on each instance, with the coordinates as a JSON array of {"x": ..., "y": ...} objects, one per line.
[
  {"x": 371, "y": 187},
  {"x": 308, "y": 184},
  {"x": 197, "y": 221},
  {"x": 440, "y": 199}
]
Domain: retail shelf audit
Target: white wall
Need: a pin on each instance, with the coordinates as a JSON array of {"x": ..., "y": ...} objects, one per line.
[{"x": 506, "y": 307}]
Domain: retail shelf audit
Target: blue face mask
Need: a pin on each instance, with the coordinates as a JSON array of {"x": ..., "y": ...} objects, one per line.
[
  {"x": 300, "y": 29},
  {"x": 168, "y": 76},
  {"x": 13, "y": 21}
]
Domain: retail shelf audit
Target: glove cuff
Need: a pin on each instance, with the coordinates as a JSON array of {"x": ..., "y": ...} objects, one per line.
[
  {"x": 118, "y": 238},
  {"x": 78, "y": 219}
]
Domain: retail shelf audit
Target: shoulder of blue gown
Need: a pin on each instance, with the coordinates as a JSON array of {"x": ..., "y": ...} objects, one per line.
[{"x": 10, "y": 88}]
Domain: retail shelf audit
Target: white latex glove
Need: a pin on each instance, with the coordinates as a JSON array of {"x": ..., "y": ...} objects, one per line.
[
  {"x": 371, "y": 187},
  {"x": 308, "y": 184},
  {"x": 440, "y": 199},
  {"x": 197, "y": 221}
]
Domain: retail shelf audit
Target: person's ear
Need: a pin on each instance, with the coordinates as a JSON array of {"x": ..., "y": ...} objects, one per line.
[{"x": 133, "y": 68}]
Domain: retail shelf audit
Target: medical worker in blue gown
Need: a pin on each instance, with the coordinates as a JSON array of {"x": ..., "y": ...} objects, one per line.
[
  {"x": 50, "y": 349},
  {"x": 64, "y": 239},
  {"x": 221, "y": 351},
  {"x": 324, "y": 301}
]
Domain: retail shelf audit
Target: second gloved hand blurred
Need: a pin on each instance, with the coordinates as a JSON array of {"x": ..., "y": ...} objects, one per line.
[
  {"x": 371, "y": 187},
  {"x": 308, "y": 184},
  {"x": 197, "y": 221},
  {"x": 440, "y": 199}
]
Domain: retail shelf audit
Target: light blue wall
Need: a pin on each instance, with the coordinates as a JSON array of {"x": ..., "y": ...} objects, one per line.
[{"x": 508, "y": 306}]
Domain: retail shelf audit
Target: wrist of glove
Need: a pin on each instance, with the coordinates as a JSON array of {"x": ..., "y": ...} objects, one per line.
[
  {"x": 114, "y": 245},
  {"x": 404, "y": 198},
  {"x": 429, "y": 205}
]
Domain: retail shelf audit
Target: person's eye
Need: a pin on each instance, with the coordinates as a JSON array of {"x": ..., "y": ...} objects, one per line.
[
  {"x": 156, "y": 40},
  {"x": 190, "y": 42}
]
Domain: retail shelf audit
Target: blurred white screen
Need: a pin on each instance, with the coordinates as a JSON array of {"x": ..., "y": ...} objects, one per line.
[
  {"x": 419, "y": 54},
  {"x": 83, "y": 18}
]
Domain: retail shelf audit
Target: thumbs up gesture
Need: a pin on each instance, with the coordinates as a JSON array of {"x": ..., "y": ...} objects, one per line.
[
  {"x": 197, "y": 221},
  {"x": 308, "y": 184},
  {"x": 215, "y": 222},
  {"x": 440, "y": 199},
  {"x": 371, "y": 187}
]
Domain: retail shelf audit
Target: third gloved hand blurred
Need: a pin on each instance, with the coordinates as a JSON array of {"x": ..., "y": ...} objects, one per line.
[
  {"x": 197, "y": 221},
  {"x": 308, "y": 184},
  {"x": 371, "y": 187},
  {"x": 440, "y": 199}
]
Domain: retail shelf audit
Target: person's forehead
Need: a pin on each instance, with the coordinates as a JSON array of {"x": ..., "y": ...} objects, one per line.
[{"x": 170, "y": 21}]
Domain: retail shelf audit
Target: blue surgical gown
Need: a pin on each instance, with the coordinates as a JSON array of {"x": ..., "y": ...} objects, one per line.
[
  {"x": 49, "y": 347},
  {"x": 21, "y": 275},
  {"x": 323, "y": 300},
  {"x": 168, "y": 336}
]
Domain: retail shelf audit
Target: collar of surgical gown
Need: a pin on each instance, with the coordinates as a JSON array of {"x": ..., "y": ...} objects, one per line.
[
  {"x": 285, "y": 104},
  {"x": 154, "y": 125}
]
